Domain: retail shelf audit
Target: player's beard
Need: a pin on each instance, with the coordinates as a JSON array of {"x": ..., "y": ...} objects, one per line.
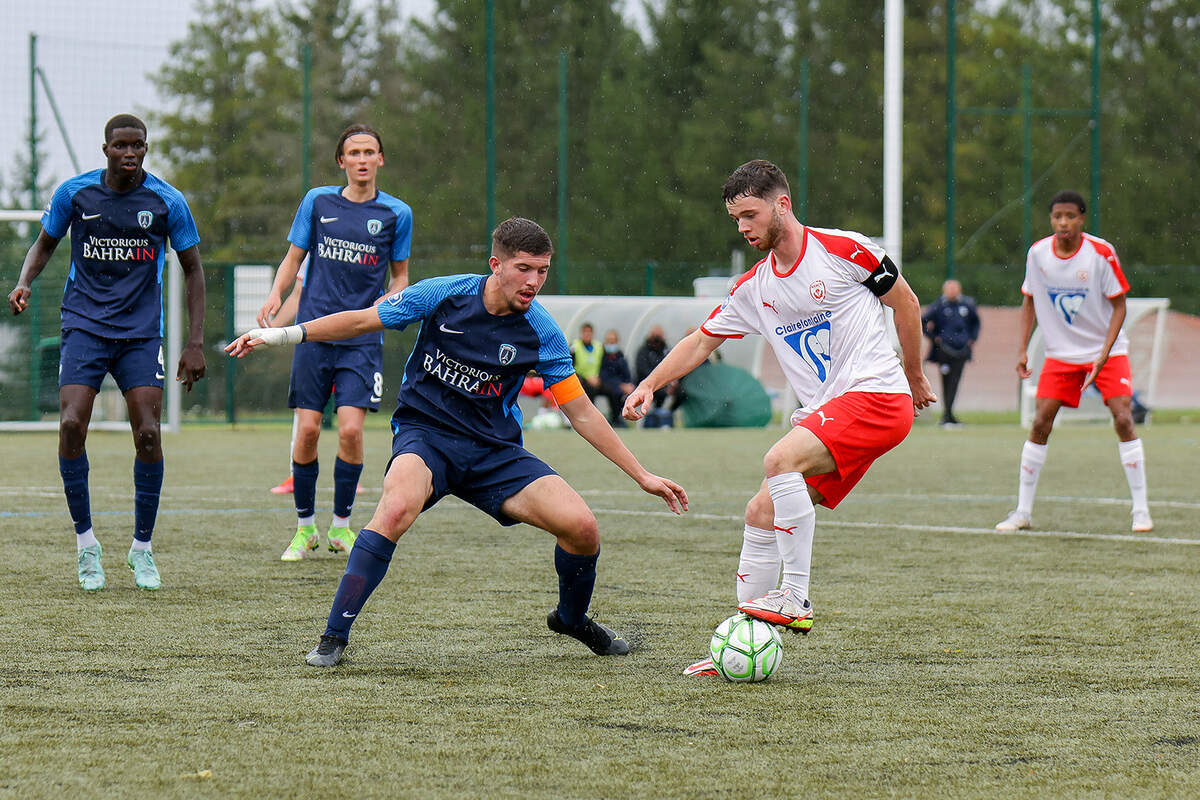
[{"x": 774, "y": 232}]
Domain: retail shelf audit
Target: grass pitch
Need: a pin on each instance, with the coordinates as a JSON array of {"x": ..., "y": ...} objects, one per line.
[{"x": 946, "y": 660}]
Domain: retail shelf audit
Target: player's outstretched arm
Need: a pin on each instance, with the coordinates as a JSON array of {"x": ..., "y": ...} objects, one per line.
[
  {"x": 330, "y": 328},
  {"x": 903, "y": 301},
  {"x": 691, "y": 351},
  {"x": 191, "y": 360},
  {"x": 35, "y": 261},
  {"x": 589, "y": 423}
]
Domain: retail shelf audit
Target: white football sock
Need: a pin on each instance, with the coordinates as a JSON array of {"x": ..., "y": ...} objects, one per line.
[
  {"x": 340, "y": 522},
  {"x": 795, "y": 522},
  {"x": 85, "y": 539},
  {"x": 309, "y": 520},
  {"x": 1033, "y": 457},
  {"x": 137, "y": 545},
  {"x": 1133, "y": 459},
  {"x": 758, "y": 566}
]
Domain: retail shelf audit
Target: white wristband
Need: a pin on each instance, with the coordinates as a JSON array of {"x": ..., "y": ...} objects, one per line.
[{"x": 292, "y": 334}]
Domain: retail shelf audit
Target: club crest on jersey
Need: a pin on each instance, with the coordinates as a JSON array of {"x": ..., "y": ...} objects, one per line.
[
  {"x": 817, "y": 290},
  {"x": 145, "y": 218},
  {"x": 1082, "y": 275},
  {"x": 374, "y": 226},
  {"x": 811, "y": 343},
  {"x": 1068, "y": 304},
  {"x": 507, "y": 354}
]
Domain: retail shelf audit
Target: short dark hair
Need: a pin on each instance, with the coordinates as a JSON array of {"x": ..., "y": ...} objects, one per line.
[
  {"x": 1069, "y": 196},
  {"x": 122, "y": 121},
  {"x": 354, "y": 129},
  {"x": 757, "y": 178},
  {"x": 520, "y": 235}
]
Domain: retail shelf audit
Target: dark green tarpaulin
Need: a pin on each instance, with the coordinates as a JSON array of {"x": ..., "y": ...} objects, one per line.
[{"x": 724, "y": 396}]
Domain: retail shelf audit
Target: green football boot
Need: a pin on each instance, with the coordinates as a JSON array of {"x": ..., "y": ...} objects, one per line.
[
  {"x": 341, "y": 540},
  {"x": 91, "y": 574},
  {"x": 306, "y": 539},
  {"x": 145, "y": 573}
]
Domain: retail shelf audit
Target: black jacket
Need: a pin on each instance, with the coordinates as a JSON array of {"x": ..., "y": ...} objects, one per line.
[{"x": 952, "y": 326}]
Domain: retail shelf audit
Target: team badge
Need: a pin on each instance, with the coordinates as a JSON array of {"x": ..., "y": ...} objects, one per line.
[
  {"x": 507, "y": 354},
  {"x": 1082, "y": 275},
  {"x": 374, "y": 226},
  {"x": 817, "y": 290},
  {"x": 145, "y": 218}
]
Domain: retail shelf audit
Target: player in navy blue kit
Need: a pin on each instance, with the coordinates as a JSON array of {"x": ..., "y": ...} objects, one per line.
[
  {"x": 457, "y": 426},
  {"x": 357, "y": 240},
  {"x": 121, "y": 220}
]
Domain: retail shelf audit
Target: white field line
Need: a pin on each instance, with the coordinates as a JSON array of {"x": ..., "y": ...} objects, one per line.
[{"x": 826, "y": 523}]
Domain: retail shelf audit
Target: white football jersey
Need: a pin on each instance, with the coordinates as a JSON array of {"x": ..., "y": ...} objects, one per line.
[
  {"x": 1071, "y": 297},
  {"x": 826, "y": 328}
]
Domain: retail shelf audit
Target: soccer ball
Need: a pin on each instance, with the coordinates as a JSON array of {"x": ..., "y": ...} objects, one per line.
[{"x": 745, "y": 649}]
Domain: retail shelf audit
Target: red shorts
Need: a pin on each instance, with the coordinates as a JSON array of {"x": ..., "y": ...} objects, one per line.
[
  {"x": 857, "y": 427},
  {"x": 1062, "y": 381}
]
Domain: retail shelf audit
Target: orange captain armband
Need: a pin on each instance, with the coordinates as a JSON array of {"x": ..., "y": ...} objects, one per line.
[{"x": 567, "y": 389}]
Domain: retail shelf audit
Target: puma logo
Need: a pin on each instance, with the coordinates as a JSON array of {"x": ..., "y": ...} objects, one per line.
[
  {"x": 885, "y": 274},
  {"x": 741, "y": 576},
  {"x": 857, "y": 250},
  {"x": 789, "y": 531},
  {"x": 824, "y": 418},
  {"x": 770, "y": 306}
]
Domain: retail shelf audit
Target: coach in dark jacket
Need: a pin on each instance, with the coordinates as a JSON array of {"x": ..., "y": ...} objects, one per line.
[
  {"x": 952, "y": 323},
  {"x": 615, "y": 380}
]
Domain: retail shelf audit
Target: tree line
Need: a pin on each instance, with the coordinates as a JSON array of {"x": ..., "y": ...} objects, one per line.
[{"x": 659, "y": 114}]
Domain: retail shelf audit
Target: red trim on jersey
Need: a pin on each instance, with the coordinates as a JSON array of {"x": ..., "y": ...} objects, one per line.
[
  {"x": 803, "y": 249},
  {"x": 1110, "y": 256},
  {"x": 849, "y": 249},
  {"x": 745, "y": 276},
  {"x": 1053, "y": 249}
]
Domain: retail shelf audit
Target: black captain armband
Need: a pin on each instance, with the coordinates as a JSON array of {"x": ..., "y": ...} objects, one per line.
[
  {"x": 303, "y": 333},
  {"x": 881, "y": 281}
]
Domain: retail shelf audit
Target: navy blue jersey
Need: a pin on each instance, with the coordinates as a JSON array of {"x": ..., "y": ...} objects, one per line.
[
  {"x": 467, "y": 366},
  {"x": 118, "y": 248},
  {"x": 350, "y": 248}
]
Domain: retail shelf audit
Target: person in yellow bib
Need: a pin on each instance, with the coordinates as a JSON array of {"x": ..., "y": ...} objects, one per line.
[{"x": 588, "y": 356}]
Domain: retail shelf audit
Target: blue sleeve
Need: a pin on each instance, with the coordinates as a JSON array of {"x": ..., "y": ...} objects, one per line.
[
  {"x": 181, "y": 226},
  {"x": 419, "y": 300},
  {"x": 554, "y": 356},
  {"x": 402, "y": 241},
  {"x": 56, "y": 219},
  {"x": 301, "y": 232}
]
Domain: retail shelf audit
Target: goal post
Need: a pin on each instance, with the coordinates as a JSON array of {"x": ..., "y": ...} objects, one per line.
[
  {"x": 29, "y": 342},
  {"x": 1146, "y": 328}
]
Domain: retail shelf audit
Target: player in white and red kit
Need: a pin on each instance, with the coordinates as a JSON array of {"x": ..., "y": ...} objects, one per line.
[
  {"x": 818, "y": 299},
  {"x": 1075, "y": 288}
]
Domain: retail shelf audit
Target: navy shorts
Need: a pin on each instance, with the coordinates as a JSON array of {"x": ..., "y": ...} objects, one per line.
[
  {"x": 356, "y": 371},
  {"x": 85, "y": 358},
  {"x": 484, "y": 474}
]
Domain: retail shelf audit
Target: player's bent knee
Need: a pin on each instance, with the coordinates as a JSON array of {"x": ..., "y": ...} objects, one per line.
[
  {"x": 580, "y": 534},
  {"x": 760, "y": 512}
]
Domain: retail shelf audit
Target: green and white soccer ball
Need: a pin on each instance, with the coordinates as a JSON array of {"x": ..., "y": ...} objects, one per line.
[{"x": 745, "y": 650}]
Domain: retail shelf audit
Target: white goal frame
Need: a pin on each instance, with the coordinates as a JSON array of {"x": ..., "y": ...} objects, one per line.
[
  {"x": 1146, "y": 369},
  {"x": 172, "y": 347}
]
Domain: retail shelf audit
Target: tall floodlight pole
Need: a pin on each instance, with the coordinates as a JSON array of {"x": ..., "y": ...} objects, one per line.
[
  {"x": 893, "y": 125},
  {"x": 33, "y": 154},
  {"x": 1094, "y": 210},
  {"x": 951, "y": 114},
  {"x": 562, "y": 172},
  {"x": 490, "y": 68}
]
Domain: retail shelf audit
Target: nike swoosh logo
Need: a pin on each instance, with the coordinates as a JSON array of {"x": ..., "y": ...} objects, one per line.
[
  {"x": 444, "y": 329},
  {"x": 158, "y": 376},
  {"x": 328, "y": 219},
  {"x": 88, "y": 216},
  {"x": 348, "y": 615}
]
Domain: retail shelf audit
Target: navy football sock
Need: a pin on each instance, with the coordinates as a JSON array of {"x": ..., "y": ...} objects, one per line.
[
  {"x": 576, "y": 579},
  {"x": 367, "y": 565},
  {"x": 345, "y": 485},
  {"x": 147, "y": 486},
  {"x": 74, "y": 473},
  {"x": 304, "y": 479}
]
